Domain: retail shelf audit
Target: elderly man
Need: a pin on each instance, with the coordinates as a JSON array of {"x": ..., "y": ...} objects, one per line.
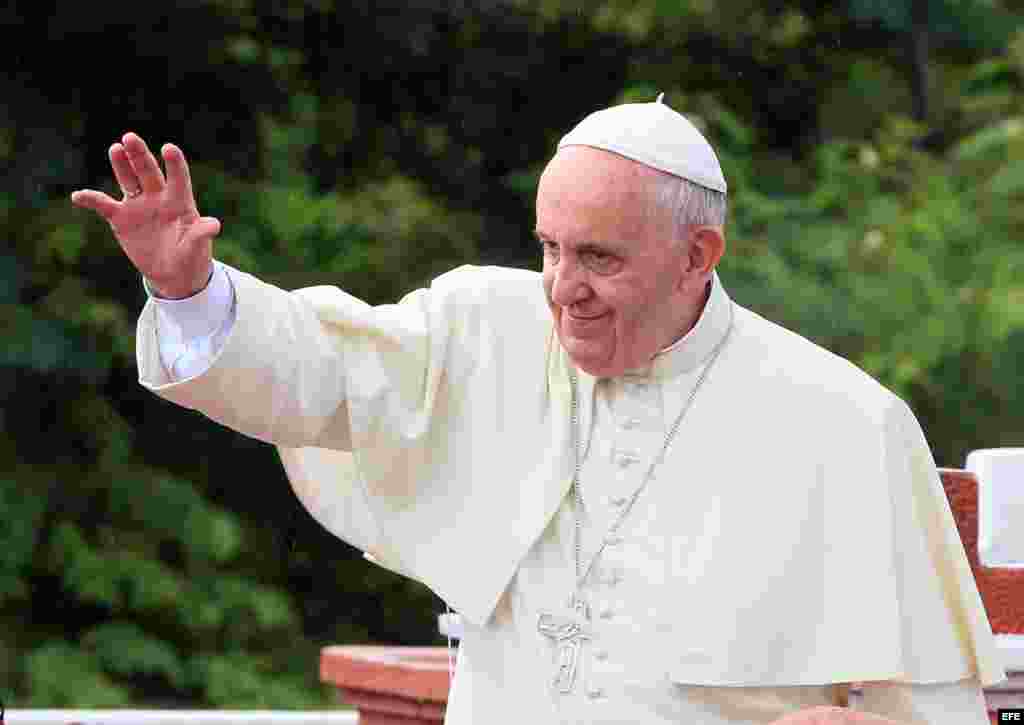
[{"x": 648, "y": 503}]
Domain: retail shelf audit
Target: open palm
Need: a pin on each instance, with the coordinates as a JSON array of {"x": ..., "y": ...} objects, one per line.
[{"x": 156, "y": 223}]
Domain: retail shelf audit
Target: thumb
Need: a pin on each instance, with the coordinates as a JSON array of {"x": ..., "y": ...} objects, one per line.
[
  {"x": 203, "y": 229},
  {"x": 197, "y": 241}
]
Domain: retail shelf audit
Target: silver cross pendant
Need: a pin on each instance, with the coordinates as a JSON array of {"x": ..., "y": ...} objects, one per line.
[{"x": 567, "y": 634}]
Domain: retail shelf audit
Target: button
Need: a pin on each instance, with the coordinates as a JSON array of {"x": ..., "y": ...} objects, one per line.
[
  {"x": 612, "y": 577},
  {"x": 630, "y": 423},
  {"x": 601, "y": 655},
  {"x": 595, "y": 692},
  {"x": 618, "y": 501},
  {"x": 626, "y": 459}
]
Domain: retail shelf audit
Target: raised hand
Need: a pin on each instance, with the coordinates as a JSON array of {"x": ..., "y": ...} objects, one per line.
[{"x": 156, "y": 222}]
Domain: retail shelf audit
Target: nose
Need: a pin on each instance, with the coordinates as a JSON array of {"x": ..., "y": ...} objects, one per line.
[{"x": 569, "y": 285}]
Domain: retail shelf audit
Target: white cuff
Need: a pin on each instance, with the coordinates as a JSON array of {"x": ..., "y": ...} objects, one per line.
[
  {"x": 200, "y": 315},
  {"x": 191, "y": 331}
]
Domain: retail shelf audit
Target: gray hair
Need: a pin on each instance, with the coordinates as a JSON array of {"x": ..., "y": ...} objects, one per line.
[{"x": 688, "y": 203}]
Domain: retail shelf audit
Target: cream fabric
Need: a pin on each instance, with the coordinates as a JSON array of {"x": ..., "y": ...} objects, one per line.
[{"x": 823, "y": 552}]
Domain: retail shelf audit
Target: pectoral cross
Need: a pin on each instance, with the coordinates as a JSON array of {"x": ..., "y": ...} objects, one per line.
[{"x": 567, "y": 634}]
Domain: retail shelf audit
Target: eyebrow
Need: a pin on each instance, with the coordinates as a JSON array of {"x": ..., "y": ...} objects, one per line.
[{"x": 603, "y": 247}]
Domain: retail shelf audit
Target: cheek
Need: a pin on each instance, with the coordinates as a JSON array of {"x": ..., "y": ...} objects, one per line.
[
  {"x": 631, "y": 304},
  {"x": 637, "y": 314}
]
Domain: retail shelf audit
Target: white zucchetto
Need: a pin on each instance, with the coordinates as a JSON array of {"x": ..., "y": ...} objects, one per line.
[{"x": 654, "y": 135}]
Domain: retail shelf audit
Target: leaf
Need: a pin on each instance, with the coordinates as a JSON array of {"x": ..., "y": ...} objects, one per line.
[
  {"x": 1009, "y": 180},
  {"x": 19, "y": 534},
  {"x": 213, "y": 535},
  {"x": 125, "y": 649},
  {"x": 12, "y": 275},
  {"x": 989, "y": 141},
  {"x": 62, "y": 676},
  {"x": 83, "y": 571},
  {"x": 237, "y": 680}
]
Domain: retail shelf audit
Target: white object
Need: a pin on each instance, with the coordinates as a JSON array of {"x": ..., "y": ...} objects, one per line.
[
  {"x": 654, "y": 135},
  {"x": 1011, "y": 647},
  {"x": 449, "y": 624},
  {"x": 181, "y": 717},
  {"x": 1000, "y": 473}
]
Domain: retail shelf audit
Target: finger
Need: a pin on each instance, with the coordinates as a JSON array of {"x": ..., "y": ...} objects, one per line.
[
  {"x": 123, "y": 171},
  {"x": 146, "y": 168},
  {"x": 97, "y": 201},
  {"x": 179, "y": 180},
  {"x": 202, "y": 231}
]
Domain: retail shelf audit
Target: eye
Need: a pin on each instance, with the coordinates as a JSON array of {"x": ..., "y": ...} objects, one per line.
[
  {"x": 600, "y": 262},
  {"x": 550, "y": 248}
]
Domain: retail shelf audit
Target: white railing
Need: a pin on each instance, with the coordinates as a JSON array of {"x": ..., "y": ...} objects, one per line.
[{"x": 180, "y": 717}]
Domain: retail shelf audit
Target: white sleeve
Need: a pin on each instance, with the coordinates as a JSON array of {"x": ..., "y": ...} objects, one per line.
[
  {"x": 946, "y": 703},
  {"x": 191, "y": 331}
]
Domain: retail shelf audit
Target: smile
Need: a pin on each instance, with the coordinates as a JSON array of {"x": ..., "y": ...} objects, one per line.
[
  {"x": 585, "y": 318},
  {"x": 584, "y": 326}
]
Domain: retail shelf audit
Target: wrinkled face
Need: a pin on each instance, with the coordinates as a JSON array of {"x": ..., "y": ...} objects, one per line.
[{"x": 618, "y": 282}]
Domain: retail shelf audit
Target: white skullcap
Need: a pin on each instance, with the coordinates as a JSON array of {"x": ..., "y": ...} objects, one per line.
[{"x": 654, "y": 135}]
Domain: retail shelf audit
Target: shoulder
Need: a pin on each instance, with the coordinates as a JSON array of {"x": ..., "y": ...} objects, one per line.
[
  {"x": 492, "y": 290},
  {"x": 804, "y": 375},
  {"x": 471, "y": 277}
]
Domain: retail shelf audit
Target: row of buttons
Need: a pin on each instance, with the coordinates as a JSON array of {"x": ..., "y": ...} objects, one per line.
[
  {"x": 611, "y": 576},
  {"x": 594, "y": 691}
]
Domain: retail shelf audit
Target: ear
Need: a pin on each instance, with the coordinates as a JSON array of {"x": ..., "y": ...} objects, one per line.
[{"x": 707, "y": 245}]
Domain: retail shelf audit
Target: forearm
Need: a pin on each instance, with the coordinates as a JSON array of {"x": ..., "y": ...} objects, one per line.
[{"x": 277, "y": 375}]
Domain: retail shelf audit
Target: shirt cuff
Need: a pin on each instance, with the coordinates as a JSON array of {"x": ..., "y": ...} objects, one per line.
[{"x": 203, "y": 313}]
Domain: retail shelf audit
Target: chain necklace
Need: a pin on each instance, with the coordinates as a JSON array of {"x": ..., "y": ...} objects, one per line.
[
  {"x": 568, "y": 633},
  {"x": 575, "y": 600}
]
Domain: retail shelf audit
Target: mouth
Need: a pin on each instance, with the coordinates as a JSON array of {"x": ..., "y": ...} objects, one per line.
[
  {"x": 584, "y": 318},
  {"x": 583, "y": 325}
]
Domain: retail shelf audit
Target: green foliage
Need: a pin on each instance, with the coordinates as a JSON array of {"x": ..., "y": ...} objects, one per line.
[
  {"x": 234, "y": 681},
  {"x": 124, "y": 649},
  {"x": 61, "y": 675},
  {"x": 19, "y": 530},
  {"x": 148, "y": 556}
]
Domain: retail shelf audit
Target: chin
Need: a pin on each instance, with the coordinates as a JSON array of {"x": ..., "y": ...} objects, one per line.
[
  {"x": 594, "y": 359},
  {"x": 596, "y": 368}
]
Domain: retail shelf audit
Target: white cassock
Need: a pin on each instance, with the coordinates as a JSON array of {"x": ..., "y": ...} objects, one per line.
[{"x": 797, "y": 536}]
